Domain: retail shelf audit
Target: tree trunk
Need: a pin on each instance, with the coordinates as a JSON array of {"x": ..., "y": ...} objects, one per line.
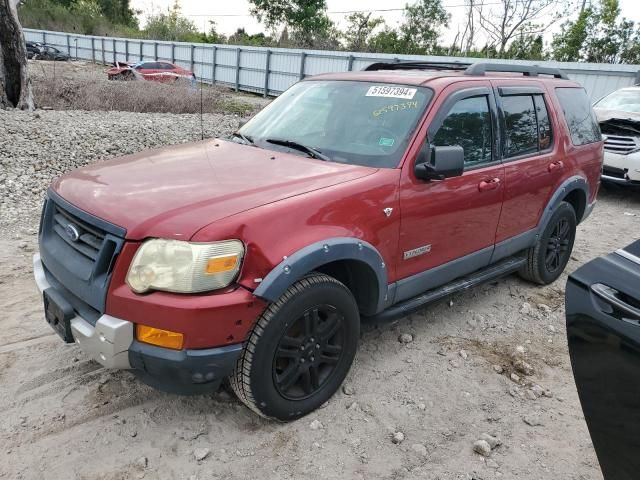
[{"x": 15, "y": 85}]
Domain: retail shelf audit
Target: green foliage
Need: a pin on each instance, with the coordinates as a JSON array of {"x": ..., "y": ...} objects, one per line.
[
  {"x": 598, "y": 35},
  {"x": 241, "y": 37},
  {"x": 526, "y": 47},
  {"x": 359, "y": 30},
  {"x": 421, "y": 27},
  {"x": 88, "y": 17},
  {"x": 386, "y": 41},
  {"x": 172, "y": 26},
  {"x": 307, "y": 21},
  {"x": 567, "y": 45}
]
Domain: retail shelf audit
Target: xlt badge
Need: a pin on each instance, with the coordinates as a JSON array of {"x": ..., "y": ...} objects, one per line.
[{"x": 417, "y": 251}]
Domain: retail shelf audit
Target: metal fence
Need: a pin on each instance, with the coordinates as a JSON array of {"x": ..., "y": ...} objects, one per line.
[{"x": 270, "y": 71}]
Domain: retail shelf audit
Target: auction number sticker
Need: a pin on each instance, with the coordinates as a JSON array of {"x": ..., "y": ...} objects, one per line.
[{"x": 393, "y": 92}]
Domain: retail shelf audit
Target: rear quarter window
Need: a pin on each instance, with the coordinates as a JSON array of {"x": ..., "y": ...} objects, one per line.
[{"x": 581, "y": 120}]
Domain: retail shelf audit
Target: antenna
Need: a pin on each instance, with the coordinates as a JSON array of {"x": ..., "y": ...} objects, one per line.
[{"x": 201, "y": 119}]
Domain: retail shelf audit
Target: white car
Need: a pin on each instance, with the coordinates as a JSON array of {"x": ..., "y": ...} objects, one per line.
[{"x": 619, "y": 117}]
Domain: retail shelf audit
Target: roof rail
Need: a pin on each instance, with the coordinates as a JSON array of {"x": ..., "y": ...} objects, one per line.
[
  {"x": 416, "y": 65},
  {"x": 480, "y": 68}
]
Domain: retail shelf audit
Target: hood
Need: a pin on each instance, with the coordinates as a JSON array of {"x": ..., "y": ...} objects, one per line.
[
  {"x": 614, "y": 121},
  {"x": 174, "y": 191}
]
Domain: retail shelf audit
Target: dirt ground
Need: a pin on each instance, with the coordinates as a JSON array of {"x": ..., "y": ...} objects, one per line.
[{"x": 63, "y": 416}]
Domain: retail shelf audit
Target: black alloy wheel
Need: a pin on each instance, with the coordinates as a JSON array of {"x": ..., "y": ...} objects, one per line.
[
  {"x": 547, "y": 259},
  {"x": 300, "y": 350},
  {"x": 558, "y": 246},
  {"x": 308, "y": 352}
]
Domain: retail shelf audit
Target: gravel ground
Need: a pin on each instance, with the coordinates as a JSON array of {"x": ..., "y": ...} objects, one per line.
[
  {"x": 479, "y": 387},
  {"x": 36, "y": 147}
]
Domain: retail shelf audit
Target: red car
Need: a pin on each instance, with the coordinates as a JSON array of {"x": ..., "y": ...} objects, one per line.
[
  {"x": 360, "y": 195},
  {"x": 154, "y": 71}
]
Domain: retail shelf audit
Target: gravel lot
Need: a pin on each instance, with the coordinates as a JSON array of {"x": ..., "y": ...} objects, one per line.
[{"x": 422, "y": 392}]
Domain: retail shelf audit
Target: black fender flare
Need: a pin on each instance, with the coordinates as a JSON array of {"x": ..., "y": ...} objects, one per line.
[
  {"x": 570, "y": 184},
  {"x": 298, "y": 264}
]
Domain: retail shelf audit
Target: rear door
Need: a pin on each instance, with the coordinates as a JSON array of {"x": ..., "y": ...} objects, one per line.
[
  {"x": 530, "y": 154},
  {"x": 603, "y": 329}
]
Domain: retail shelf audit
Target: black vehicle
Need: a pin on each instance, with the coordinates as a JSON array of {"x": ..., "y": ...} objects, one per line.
[
  {"x": 603, "y": 329},
  {"x": 51, "y": 53},
  {"x": 33, "y": 49},
  {"x": 40, "y": 51}
]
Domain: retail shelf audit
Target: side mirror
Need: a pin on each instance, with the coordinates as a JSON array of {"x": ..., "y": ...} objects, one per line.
[{"x": 443, "y": 162}]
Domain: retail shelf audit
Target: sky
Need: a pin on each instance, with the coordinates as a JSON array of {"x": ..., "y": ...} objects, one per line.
[{"x": 231, "y": 14}]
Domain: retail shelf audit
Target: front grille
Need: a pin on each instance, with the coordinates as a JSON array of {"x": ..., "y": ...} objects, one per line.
[
  {"x": 621, "y": 145},
  {"x": 90, "y": 239},
  {"x": 78, "y": 251}
]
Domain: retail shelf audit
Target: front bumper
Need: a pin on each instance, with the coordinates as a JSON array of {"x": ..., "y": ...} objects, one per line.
[
  {"x": 621, "y": 169},
  {"x": 111, "y": 343}
]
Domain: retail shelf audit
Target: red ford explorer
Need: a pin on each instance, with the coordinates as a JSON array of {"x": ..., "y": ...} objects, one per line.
[{"x": 354, "y": 195}]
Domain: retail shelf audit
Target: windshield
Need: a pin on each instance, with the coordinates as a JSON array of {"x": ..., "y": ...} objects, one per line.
[
  {"x": 624, "y": 100},
  {"x": 359, "y": 123}
]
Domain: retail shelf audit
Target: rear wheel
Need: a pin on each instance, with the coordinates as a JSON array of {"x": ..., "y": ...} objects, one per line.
[
  {"x": 300, "y": 350},
  {"x": 547, "y": 259}
]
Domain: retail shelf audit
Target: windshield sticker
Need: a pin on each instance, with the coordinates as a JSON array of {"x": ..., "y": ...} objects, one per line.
[
  {"x": 396, "y": 107},
  {"x": 386, "y": 142},
  {"x": 393, "y": 92}
]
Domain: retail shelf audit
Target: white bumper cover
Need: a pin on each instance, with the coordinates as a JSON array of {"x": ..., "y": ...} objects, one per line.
[
  {"x": 630, "y": 163},
  {"x": 107, "y": 342}
]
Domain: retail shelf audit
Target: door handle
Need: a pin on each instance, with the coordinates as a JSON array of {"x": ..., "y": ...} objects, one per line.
[
  {"x": 612, "y": 297},
  {"x": 557, "y": 165},
  {"x": 489, "y": 184}
]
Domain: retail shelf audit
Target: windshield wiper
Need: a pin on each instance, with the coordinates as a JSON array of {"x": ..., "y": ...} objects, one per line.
[
  {"x": 312, "y": 152},
  {"x": 244, "y": 138}
]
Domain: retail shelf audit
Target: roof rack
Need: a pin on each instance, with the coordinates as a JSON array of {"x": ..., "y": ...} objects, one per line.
[
  {"x": 476, "y": 69},
  {"x": 481, "y": 68},
  {"x": 417, "y": 65}
]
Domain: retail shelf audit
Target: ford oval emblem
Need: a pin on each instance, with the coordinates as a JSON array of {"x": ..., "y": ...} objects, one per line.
[{"x": 72, "y": 232}]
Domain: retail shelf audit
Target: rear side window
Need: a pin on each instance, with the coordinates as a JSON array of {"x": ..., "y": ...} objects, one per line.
[
  {"x": 521, "y": 129},
  {"x": 582, "y": 123}
]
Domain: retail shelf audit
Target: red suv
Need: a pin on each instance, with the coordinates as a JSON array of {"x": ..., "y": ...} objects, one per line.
[{"x": 361, "y": 195}]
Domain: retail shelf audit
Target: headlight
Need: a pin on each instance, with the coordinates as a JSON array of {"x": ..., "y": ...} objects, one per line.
[{"x": 183, "y": 267}]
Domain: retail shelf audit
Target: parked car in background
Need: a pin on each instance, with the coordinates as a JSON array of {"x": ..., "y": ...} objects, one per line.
[
  {"x": 33, "y": 48},
  {"x": 603, "y": 330},
  {"x": 619, "y": 117},
  {"x": 164, "y": 72}
]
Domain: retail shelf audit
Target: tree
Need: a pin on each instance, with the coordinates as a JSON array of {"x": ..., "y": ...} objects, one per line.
[
  {"x": 386, "y": 41},
  {"x": 241, "y": 37},
  {"x": 172, "y": 26},
  {"x": 307, "y": 20},
  {"x": 15, "y": 86},
  {"x": 359, "y": 30},
  {"x": 568, "y": 44},
  {"x": 515, "y": 17},
  {"x": 598, "y": 35},
  {"x": 526, "y": 47},
  {"x": 421, "y": 27}
]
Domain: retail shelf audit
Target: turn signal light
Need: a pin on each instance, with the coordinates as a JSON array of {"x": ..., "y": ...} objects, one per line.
[
  {"x": 159, "y": 337},
  {"x": 222, "y": 264}
]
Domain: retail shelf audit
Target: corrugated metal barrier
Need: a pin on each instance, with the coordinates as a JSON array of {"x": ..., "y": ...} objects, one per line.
[{"x": 270, "y": 71}]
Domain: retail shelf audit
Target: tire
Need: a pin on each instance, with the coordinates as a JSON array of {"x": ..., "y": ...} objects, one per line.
[
  {"x": 547, "y": 259},
  {"x": 280, "y": 373}
]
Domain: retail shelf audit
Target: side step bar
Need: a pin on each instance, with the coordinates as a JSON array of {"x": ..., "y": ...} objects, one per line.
[{"x": 411, "y": 305}]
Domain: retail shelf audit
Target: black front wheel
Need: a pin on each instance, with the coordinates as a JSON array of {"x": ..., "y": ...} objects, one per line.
[
  {"x": 300, "y": 350},
  {"x": 548, "y": 258}
]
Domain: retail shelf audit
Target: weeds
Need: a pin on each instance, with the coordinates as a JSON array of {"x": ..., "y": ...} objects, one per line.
[{"x": 70, "y": 88}]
